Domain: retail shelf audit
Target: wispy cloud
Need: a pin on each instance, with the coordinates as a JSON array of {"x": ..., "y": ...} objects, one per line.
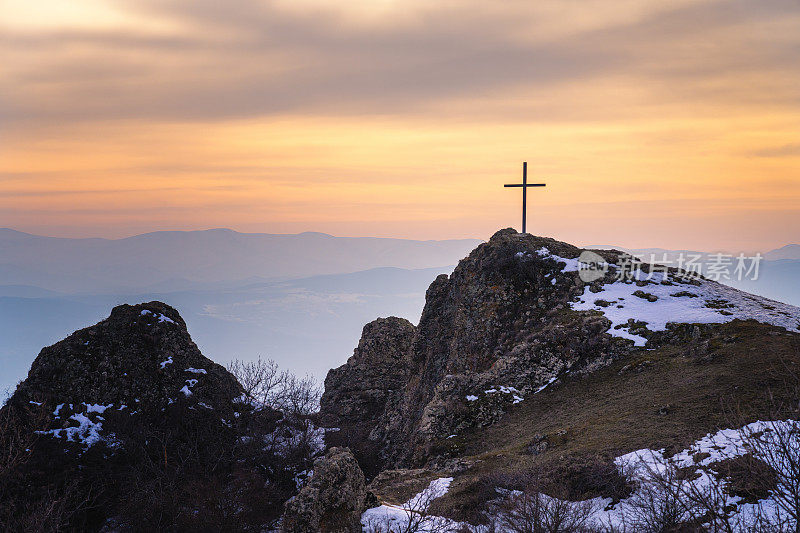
[
  {"x": 249, "y": 58},
  {"x": 359, "y": 116},
  {"x": 787, "y": 150}
]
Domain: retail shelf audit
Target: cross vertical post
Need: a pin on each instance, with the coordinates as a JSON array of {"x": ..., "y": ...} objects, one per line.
[
  {"x": 524, "y": 193},
  {"x": 524, "y": 186}
]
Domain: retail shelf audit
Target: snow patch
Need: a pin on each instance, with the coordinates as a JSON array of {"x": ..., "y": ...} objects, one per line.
[
  {"x": 503, "y": 389},
  {"x": 681, "y": 302},
  {"x": 570, "y": 265},
  {"x": 160, "y": 316},
  {"x": 89, "y": 425},
  {"x": 413, "y": 513},
  {"x": 540, "y": 389}
]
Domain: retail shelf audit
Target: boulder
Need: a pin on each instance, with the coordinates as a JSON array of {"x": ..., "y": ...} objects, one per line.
[{"x": 334, "y": 499}]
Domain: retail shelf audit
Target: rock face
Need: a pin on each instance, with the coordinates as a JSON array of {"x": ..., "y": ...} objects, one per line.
[
  {"x": 362, "y": 393},
  {"x": 359, "y": 391},
  {"x": 333, "y": 501},
  {"x": 141, "y": 357},
  {"x": 497, "y": 329}
]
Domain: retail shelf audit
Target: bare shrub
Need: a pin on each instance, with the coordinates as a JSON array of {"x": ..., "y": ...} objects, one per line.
[
  {"x": 15, "y": 441},
  {"x": 582, "y": 477},
  {"x": 755, "y": 489},
  {"x": 266, "y": 385},
  {"x": 657, "y": 506},
  {"x": 534, "y": 512},
  {"x": 778, "y": 447},
  {"x": 25, "y": 505}
]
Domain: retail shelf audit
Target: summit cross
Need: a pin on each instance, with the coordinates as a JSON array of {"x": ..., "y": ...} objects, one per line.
[{"x": 524, "y": 186}]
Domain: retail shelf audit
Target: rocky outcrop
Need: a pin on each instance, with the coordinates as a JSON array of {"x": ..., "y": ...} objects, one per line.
[
  {"x": 141, "y": 356},
  {"x": 126, "y": 426},
  {"x": 499, "y": 328},
  {"x": 360, "y": 394},
  {"x": 334, "y": 499},
  {"x": 359, "y": 391}
]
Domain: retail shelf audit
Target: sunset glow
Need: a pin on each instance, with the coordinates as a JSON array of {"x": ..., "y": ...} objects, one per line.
[{"x": 654, "y": 124}]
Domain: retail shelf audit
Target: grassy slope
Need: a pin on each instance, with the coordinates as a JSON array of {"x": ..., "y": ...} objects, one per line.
[{"x": 667, "y": 397}]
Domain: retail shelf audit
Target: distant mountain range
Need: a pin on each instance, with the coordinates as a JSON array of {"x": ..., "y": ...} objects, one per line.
[
  {"x": 192, "y": 260},
  {"x": 790, "y": 251}
]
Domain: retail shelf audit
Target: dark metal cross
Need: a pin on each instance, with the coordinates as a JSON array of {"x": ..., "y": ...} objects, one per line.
[{"x": 524, "y": 186}]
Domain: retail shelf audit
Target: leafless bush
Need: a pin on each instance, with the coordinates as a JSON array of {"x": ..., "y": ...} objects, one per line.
[
  {"x": 418, "y": 515},
  {"x": 266, "y": 385},
  {"x": 280, "y": 423},
  {"x": 43, "y": 509},
  {"x": 656, "y": 506},
  {"x": 778, "y": 446},
  {"x": 15, "y": 442},
  {"x": 763, "y": 473},
  {"x": 534, "y": 512}
]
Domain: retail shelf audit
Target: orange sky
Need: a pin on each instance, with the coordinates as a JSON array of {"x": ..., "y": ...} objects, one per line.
[{"x": 654, "y": 124}]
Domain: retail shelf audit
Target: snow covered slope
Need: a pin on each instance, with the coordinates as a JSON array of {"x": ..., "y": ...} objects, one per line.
[{"x": 661, "y": 298}]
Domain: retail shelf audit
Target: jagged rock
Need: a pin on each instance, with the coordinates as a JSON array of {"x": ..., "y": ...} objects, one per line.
[
  {"x": 334, "y": 499},
  {"x": 359, "y": 390},
  {"x": 360, "y": 393},
  {"x": 497, "y": 329}
]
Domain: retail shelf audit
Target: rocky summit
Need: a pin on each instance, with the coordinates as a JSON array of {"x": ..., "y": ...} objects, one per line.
[
  {"x": 519, "y": 369},
  {"x": 499, "y": 328}
]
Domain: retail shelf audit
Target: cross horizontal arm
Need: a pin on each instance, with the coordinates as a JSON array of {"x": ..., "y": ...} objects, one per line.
[{"x": 525, "y": 185}]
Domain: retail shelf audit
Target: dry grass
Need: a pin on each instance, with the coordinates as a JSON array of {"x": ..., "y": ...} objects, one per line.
[{"x": 663, "y": 398}]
